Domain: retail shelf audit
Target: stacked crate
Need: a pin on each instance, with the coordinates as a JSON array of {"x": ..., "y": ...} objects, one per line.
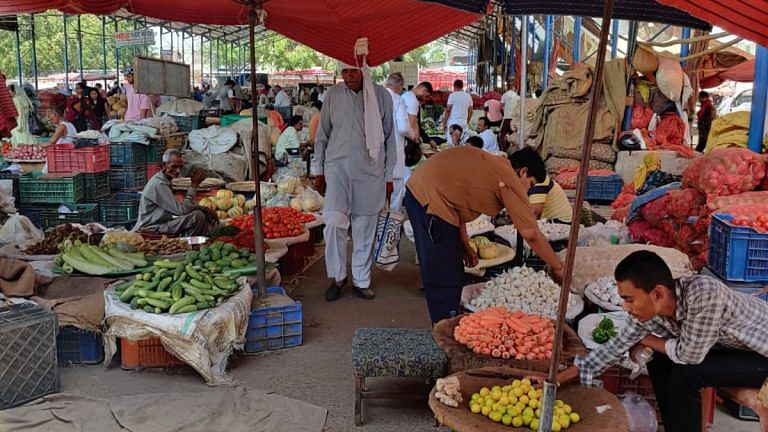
[{"x": 128, "y": 166}]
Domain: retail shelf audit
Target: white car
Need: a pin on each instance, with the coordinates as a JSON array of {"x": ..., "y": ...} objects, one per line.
[{"x": 741, "y": 101}]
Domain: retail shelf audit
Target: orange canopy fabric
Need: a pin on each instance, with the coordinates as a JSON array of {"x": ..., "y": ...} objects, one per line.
[{"x": 393, "y": 27}]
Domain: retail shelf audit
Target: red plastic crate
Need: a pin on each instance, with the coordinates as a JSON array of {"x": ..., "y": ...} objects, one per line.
[
  {"x": 65, "y": 158},
  {"x": 153, "y": 169},
  {"x": 146, "y": 353},
  {"x": 292, "y": 262}
]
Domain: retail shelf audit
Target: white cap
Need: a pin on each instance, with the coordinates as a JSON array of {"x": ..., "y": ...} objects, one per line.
[{"x": 342, "y": 66}]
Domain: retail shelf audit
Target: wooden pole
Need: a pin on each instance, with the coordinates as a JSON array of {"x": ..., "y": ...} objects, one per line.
[{"x": 550, "y": 387}]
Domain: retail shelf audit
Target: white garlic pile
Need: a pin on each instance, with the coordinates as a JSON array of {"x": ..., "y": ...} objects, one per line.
[
  {"x": 479, "y": 226},
  {"x": 605, "y": 290},
  {"x": 522, "y": 288}
]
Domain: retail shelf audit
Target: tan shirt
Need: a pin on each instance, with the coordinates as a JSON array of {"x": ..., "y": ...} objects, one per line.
[{"x": 460, "y": 184}]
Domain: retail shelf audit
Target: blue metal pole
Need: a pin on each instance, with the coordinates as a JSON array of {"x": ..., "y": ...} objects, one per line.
[
  {"x": 686, "y": 33},
  {"x": 66, "y": 56},
  {"x": 759, "y": 100},
  {"x": 547, "y": 48},
  {"x": 80, "y": 46},
  {"x": 117, "y": 52},
  {"x": 104, "y": 49},
  {"x": 19, "y": 69},
  {"x": 34, "y": 52},
  {"x": 576, "y": 39},
  {"x": 614, "y": 39}
]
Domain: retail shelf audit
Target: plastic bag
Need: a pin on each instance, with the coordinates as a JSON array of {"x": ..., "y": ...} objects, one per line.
[
  {"x": 311, "y": 200},
  {"x": 279, "y": 200},
  {"x": 609, "y": 233},
  {"x": 641, "y": 416},
  {"x": 19, "y": 229},
  {"x": 387, "y": 246},
  {"x": 727, "y": 171},
  {"x": 267, "y": 191}
]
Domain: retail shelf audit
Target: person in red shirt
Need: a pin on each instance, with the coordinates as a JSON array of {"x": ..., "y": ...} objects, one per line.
[{"x": 705, "y": 116}]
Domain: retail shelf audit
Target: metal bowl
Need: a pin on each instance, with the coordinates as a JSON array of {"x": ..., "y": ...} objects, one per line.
[{"x": 195, "y": 241}]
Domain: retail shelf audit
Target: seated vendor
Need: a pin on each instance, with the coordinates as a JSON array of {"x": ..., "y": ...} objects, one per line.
[
  {"x": 65, "y": 131},
  {"x": 708, "y": 336},
  {"x": 289, "y": 139},
  {"x": 547, "y": 198},
  {"x": 161, "y": 212}
]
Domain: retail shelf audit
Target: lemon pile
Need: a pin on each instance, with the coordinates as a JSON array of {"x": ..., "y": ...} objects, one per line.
[{"x": 518, "y": 405}]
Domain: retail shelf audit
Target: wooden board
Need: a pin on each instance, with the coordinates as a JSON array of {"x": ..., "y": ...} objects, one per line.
[
  {"x": 161, "y": 77},
  {"x": 583, "y": 400}
]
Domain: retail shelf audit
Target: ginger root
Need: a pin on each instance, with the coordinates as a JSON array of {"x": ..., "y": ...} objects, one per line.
[{"x": 448, "y": 391}]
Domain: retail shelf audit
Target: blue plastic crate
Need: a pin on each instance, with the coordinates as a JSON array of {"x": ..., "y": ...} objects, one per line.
[
  {"x": 603, "y": 188},
  {"x": 757, "y": 289},
  {"x": 272, "y": 328},
  {"x": 78, "y": 346},
  {"x": 124, "y": 154},
  {"x": 128, "y": 178},
  {"x": 737, "y": 253}
]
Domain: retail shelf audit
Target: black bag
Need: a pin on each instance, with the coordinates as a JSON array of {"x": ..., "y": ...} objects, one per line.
[
  {"x": 35, "y": 127},
  {"x": 412, "y": 152}
]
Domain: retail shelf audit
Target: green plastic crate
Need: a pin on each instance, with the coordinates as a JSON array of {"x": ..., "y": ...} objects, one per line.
[
  {"x": 52, "y": 189},
  {"x": 155, "y": 151},
  {"x": 80, "y": 214},
  {"x": 229, "y": 119}
]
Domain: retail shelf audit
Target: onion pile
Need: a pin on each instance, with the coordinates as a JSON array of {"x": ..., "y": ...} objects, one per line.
[{"x": 27, "y": 152}]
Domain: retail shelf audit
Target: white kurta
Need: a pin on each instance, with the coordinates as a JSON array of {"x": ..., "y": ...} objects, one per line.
[
  {"x": 400, "y": 129},
  {"x": 355, "y": 184}
]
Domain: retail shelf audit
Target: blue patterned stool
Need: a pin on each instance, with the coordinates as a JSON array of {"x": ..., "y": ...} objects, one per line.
[{"x": 393, "y": 352}]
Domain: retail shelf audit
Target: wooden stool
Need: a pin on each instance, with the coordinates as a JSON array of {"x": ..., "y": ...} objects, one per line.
[
  {"x": 392, "y": 352},
  {"x": 748, "y": 398}
]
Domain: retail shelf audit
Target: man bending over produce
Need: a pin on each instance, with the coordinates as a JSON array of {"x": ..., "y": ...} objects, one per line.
[
  {"x": 454, "y": 187},
  {"x": 161, "y": 212},
  {"x": 548, "y": 200},
  {"x": 709, "y": 336}
]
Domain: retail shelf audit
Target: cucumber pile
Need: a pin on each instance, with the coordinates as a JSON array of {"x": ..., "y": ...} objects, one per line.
[
  {"x": 177, "y": 287},
  {"x": 96, "y": 260},
  {"x": 225, "y": 258}
]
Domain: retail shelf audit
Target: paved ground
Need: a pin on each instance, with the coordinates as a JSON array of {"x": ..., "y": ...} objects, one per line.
[{"x": 320, "y": 371}]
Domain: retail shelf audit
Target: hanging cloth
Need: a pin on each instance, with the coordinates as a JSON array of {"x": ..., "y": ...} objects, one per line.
[
  {"x": 8, "y": 112},
  {"x": 651, "y": 162}
]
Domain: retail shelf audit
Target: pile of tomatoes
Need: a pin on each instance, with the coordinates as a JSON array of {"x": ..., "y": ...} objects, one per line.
[
  {"x": 760, "y": 223},
  {"x": 279, "y": 222}
]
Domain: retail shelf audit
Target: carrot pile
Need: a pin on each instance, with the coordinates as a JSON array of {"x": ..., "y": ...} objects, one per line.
[{"x": 500, "y": 333}]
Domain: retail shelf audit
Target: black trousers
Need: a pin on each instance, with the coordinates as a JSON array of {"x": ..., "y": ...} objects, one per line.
[
  {"x": 703, "y": 138},
  {"x": 678, "y": 387},
  {"x": 439, "y": 248}
]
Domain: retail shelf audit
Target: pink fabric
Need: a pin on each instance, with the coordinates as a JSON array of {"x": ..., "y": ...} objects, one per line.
[
  {"x": 136, "y": 103},
  {"x": 494, "y": 110}
]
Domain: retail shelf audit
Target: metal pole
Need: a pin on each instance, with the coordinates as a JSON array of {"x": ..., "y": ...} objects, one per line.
[
  {"x": 614, "y": 38},
  {"x": 576, "y": 39},
  {"x": 80, "y": 47},
  {"x": 547, "y": 49},
  {"x": 192, "y": 63},
  {"x": 66, "y": 56},
  {"x": 759, "y": 99},
  {"x": 19, "y": 69},
  {"x": 210, "y": 58},
  {"x": 104, "y": 50},
  {"x": 523, "y": 77},
  {"x": 513, "y": 47},
  {"x": 550, "y": 386},
  {"x": 161, "y": 40},
  {"x": 34, "y": 52},
  {"x": 685, "y": 34},
  {"x": 257, "y": 229},
  {"x": 183, "y": 48},
  {"x": 117, "y": 54}
]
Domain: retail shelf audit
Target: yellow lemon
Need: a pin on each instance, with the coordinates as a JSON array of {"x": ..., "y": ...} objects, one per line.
[
  {"x": 502, "y": 409},
  {"x": 494, "y": 388},
  {"x": 475, "y": 408},
  {"x": 512, "y": 400},
  {"x": 496, "y": 395},
  {"x": 516, "y": 383},
  {"x": 495, "y": 416},
  {"x": 486, "y": 410},
  {"x": 484, "y": 391},
  {"x": 528, "y": 412},
  {"x": 527, "y": 420},
  {"x": 556, "y": 427},
  {"x": 475, "y": 396},
  {"x": 559, "y": 412},
  {"x": 564, "y": 421},
  {"x": 517, "y": 392},
  {"x": 489, "y": 402},
  {"x": 567, "y": 409},
  {"x": 517, "y": 421},
  {"x": 534, "y": 425},
  {"x": 532, "y": 403},
  {"x": 520, "y": 406},
  {"x": 532, "y": 394},
  {"x": 574, "y": 417},
  {"x": 504, "y": 400},
  {"x": 506, "y": 420},
  {"x": 523, "y": 399},
  {"x": 538, "y": 412},
  {"x": 559, "y": 403},
  {"x": 525, "y": 381},
  {"x": 513, "y": 411}
]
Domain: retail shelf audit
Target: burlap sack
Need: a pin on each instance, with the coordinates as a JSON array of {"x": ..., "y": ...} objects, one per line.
[{"x": 17, "y": 278}]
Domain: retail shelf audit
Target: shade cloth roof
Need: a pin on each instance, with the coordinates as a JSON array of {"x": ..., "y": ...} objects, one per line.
[
  {"x": 75, "y": 76},
  {"x": 393, "y": 27},
  {"x": 742, "y": 72}
]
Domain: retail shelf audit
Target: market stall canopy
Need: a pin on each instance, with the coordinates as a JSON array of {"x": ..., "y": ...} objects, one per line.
[
  {"x": 75, "y": 76},
  {"x": 743, "y": 72},
  {"x": 748, "y": 19},
  {"x": 393, "y": 27}
]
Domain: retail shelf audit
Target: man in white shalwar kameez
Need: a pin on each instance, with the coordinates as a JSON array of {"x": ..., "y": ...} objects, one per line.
[
  {"x": 401, "y": 130},
  {"x": 356, "y": 174}
]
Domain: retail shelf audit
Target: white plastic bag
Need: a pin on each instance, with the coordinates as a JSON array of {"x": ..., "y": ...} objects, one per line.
[
  {"x": 19, "y": 229},
  {"x": 640, "y": 414},
  {"x": 387, "y": 246}
]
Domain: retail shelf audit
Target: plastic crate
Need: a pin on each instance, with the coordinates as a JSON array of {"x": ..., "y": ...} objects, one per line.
[
  {"x": 603, "y": 188},
  {"x": 271, "y": 328},
  {"x": 616, "y": 380},
  {"x": 77, "y": 346},
  {"x": 28, "y": 365},
  {"x": 35, "y": 213},
  {"x": 126, "y": 154},
  {"x": 121, "y": 207},
  {"x": 65, "y": 158},
  {"x": 757, "y": 289},
  {"x": 86, "y": 142},
  {"x": 128, "y": 179},
  {"x": 292, "y": 262},
  {"x": 96, "y": 186},
  {"x": 229, "y": 119},
  {"x": 81, "y": 214},
  {"x": 155, "y": 151},
  {"x": 51, "y": 189},
  {"x": 187, "y": 123},
  {"x": 153, "y": 169},
  {"x": 737, "y": 253},
  {"x": 146, "y": 353}
]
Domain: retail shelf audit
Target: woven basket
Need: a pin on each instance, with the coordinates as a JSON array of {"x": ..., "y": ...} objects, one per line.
[
  {"x": 461, "y": 358},
  {"x": 582, "y": 400}
]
